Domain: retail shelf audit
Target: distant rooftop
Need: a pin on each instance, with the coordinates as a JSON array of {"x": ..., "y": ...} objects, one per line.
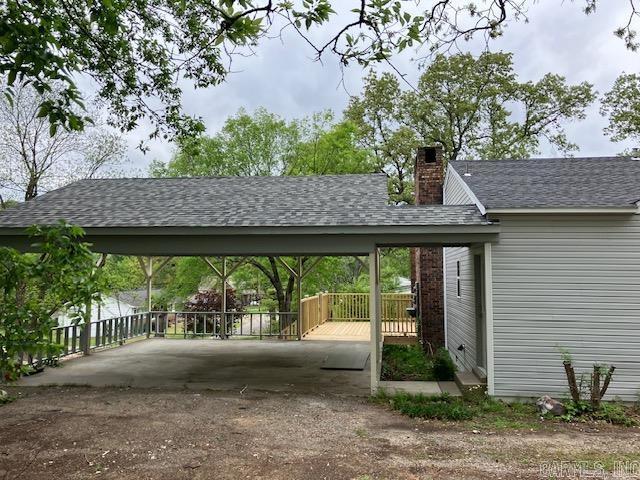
[
  {"x": 330, "y": 200},
  {"x": 600, "y": 182}
]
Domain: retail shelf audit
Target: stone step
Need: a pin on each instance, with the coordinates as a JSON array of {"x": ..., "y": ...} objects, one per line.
[{"x": 467, "y": 380}]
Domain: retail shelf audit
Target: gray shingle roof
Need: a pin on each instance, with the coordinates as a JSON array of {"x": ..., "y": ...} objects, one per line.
[
  {"x": 332, "y": 200},
  {"x": 553, "y": 182}
]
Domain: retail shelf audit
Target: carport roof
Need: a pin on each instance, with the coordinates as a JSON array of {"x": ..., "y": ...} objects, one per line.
[
  {"x": 331, "y": 200},
  {"x": 310, "y": 215}
]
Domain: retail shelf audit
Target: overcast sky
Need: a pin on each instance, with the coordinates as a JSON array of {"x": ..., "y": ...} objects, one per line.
[{"x": 283, "y": 77}]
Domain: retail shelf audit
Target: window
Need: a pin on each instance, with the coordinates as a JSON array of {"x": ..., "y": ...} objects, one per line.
[{"x": 458, "y": 287}]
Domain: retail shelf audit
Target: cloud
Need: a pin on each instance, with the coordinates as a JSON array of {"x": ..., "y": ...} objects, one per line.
[{"x": 283, "y": 77}]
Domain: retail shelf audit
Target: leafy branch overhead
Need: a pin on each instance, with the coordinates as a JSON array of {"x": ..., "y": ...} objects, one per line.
[{"x": 139, "y": 53}]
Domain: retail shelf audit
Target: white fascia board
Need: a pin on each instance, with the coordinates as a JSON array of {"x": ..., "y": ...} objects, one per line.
[
  {"x": 561, "y": 210},
  {"x": 452, "y": 171}
]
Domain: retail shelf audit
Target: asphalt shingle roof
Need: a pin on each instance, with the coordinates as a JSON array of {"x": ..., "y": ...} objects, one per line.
[
  {"x": 553, "y": 182},
  {"x": 332, "y": 200}
]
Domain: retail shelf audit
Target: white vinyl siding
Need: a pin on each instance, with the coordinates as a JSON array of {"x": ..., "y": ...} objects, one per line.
[
  {"x": 454, "y": 192},
  {"x": 461, "y": 319},
  {"x": 570, "y": 282}
]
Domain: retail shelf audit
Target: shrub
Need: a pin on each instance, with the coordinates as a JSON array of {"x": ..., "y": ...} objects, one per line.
[
  {"x": 405, "y": 362},
  {"x": 61, "y": 278},
  {"x": 443, "y": 366},
  {"x": 438, "y": 407},
  {"x": 615, "y": 414}
]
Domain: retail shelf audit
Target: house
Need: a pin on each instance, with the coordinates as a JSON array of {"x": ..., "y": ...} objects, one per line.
[
  {"x": 109, "y": 307},
  {"x": 120, "y": 304},
  {"x": 564, "y": 273}
]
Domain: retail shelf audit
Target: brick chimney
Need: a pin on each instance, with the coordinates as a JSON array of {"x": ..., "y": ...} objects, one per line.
[{"x": 427, "y": 261}]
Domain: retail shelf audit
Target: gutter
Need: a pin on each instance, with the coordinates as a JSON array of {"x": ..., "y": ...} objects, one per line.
[{"x": 563, "y": 210}]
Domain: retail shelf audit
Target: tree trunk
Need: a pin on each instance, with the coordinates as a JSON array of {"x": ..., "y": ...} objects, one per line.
[
  {"x": 571, "y": 379},
  {"x": 32, "y": 189},
  {"x": 607, "y": 380},
  {"x": 595, "y": 387}
]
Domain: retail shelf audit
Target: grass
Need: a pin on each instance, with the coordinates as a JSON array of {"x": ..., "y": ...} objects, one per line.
[
  {"x": 406, "y": 362},
  {"x": 409, "y": 363},
  {"x": 479, "y": 411}
]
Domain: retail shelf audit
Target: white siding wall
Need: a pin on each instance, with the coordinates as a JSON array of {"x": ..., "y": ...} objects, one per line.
[
  {"x": 566, "y": 282},
  {"x": 454, "y": 192},
  {"x": 461, "y": 319},
  {"x": 110, "y": 308}
]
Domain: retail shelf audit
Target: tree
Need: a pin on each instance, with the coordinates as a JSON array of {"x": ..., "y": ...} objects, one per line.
[
  {"x": 259, "y": 144},
  {"x": 622, "y": 107},
  {"x": 135, "y": 52},
  {"x": 377, "y": 114},
  {"x": 473, "y": 107},
  {"x": 62, "y": 277},
  {"x": 37, "y": 156},
  {"x": 265, "y": 144}
]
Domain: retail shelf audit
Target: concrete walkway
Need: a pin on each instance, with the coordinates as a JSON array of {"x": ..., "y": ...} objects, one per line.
[
  {"x": 269, "y": 365},
  {"x": 421, "y": 388}
]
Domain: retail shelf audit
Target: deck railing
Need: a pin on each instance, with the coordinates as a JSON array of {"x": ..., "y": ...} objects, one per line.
[
  {"x": 102, "y": 333},
  {"x": 354, "y": 307},
  {"x": 210, "y": 324},
  {"x": 116, "y": 331},
  {"x": 316, "y": 310}
]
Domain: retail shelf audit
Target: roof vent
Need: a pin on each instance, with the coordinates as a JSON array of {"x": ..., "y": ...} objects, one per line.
[
  {"x": 467, "y": 173},
  {"x": 635, "y": 153}
]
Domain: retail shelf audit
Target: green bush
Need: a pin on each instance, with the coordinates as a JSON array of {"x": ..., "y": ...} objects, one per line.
[
  {"x": 610, "y": 412},
  {"x": 61, "y": 278},
  {"x": 405, "y": 362},
  {"x": 443, "y": 366},
  {"x": 438, "y": 407},
  {"x": 614, "y": 413}
]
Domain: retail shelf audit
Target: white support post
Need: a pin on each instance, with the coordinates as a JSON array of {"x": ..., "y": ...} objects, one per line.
[
  {"x": 299, "y": 292},
  {"x": 488, "y": 302},
  {"x": 149, "y": 276},
  {"x": 223, "y": 317},
  {"x": 375, "y": 319},
  {"x": 149, "y": 282}
]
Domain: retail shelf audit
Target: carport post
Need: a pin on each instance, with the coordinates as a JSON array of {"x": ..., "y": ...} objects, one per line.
[
  {"x": 149, "y": 275},
  {"x": 299, "y": 289},
  {"x": 224, "y": 298},
  {"x": 374, "y": 318}
]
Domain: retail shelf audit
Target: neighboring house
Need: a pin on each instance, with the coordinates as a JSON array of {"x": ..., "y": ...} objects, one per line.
[
  {"x": 404, "y": 285},
  {"x": 136, "y": 298},
  {"x": 565, "y": 273},
  {"x": 116, "y": 305},
  {"x": 110, "y": 307}
]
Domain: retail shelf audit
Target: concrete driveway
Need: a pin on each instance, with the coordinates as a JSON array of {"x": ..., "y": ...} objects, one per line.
[{"x": 231, "y": 365}]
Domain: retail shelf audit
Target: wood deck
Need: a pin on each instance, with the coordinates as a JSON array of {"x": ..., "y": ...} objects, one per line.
[{"x": 353, "y": 331}]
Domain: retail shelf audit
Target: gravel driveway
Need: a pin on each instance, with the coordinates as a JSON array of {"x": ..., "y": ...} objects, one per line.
[{"x": 115, "y": 433}]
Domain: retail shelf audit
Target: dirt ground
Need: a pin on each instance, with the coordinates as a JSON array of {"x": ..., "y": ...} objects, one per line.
[{"x": 116, "y": 433}]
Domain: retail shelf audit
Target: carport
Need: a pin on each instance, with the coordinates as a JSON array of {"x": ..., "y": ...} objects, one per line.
[{"x": 311, "y": 216}]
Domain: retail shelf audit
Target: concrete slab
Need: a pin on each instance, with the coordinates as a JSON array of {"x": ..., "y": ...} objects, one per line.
[
  {"x": 346, "y": 360},
  {"x": 467, "y": 380},
  {"x": 451, "y": 388},
  {"x": 231, "y": 365},
  {"x": 414, "y": 388}
]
